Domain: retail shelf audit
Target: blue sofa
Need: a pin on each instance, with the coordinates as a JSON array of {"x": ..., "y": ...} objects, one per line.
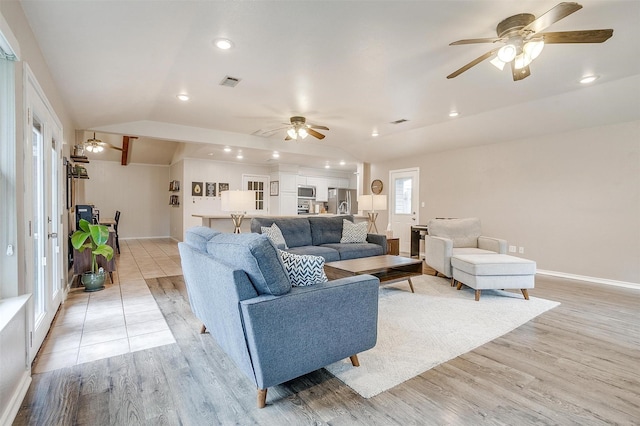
[
  {"x": 320, "y": 236},
  {"x": 238, "y": 288}
]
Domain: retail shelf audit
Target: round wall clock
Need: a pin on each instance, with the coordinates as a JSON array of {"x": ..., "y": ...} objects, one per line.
[{"x": 376, "y": 186}]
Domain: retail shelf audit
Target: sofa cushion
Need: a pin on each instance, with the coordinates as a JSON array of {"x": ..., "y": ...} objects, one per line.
[
  {"x": 198, "y": 237},
  {"x": 326, "y": 230},
  {"x": 275, "y": 234},
  {"x": 463, "y": 232},
  {"x": 329, "y": 254},
  {"x": 355, "y": 250},
  {"x": 354, "y": 232},
  {"x": 296, "y": 230},
  {"x": 303, "y": 270},
  {"x": 257, "y": 256}
]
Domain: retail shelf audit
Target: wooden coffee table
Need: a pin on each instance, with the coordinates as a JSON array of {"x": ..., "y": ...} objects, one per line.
[{"x": 386, "y": 268}]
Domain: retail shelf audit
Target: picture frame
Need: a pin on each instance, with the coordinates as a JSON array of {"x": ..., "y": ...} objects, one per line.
[
  {"x": 210, "y": 188},
  {"x": 223, "y": 187},
  {"x": 274, "y": 187},
  {"x": 196, "y": 189}
]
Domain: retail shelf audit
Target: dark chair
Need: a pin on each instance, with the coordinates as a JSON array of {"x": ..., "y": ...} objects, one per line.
[{"x": 115, "y": 228}]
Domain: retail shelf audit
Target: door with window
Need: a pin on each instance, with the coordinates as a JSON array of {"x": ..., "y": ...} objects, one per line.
[
  {"x": 404, "y": 212},
  {"x": 258, "y": 183},
  {"x": 43, "y": 214}
]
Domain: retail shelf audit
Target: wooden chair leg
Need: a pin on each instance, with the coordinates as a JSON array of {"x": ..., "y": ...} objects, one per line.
[
  {"x": 354, "y": 360},
  {"x": 203, "y": 329},
  {"x": 478, "y": 295},
  {"x": 410, "y": 284},
  {"x": 525, "y": 293},
  {"x": 262, "y": 398},
  {"x": 453, "y": 282},
  {"x": 459, "y": 285}
]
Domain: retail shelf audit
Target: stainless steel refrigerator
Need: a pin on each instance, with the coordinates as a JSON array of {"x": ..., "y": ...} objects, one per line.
[{"x": 343, "y": 201}]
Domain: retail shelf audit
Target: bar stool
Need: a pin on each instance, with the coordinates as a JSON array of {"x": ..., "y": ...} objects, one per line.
[{"x": 115, "y": 228}]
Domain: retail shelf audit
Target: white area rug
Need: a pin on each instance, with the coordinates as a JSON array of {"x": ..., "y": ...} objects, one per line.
[{"x": 418, "y": 331}]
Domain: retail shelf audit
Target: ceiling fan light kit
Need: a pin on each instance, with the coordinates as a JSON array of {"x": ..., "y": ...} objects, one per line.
[{"x": 524, "y": 41}]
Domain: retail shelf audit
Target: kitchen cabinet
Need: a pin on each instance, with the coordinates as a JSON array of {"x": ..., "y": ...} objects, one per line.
[
  {"x": 288, "y": 182},
  {"x": 288, "y": 203},
  {"x": 322, "y": 187}
]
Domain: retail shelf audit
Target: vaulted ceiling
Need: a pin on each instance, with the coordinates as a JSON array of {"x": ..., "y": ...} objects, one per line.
[{"x": 353, "y": 66}]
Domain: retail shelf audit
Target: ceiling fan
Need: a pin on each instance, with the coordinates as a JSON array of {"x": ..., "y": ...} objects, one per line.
[
  {"x": 299, "y": 129},
  {"x": 96, "y": 145},
  {"x": 522, "y": 40}
]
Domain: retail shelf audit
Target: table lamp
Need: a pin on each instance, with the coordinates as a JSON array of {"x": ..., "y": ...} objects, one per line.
[
  {"x": 238, "y": 203},
  {"x": 372, "y": 203}
]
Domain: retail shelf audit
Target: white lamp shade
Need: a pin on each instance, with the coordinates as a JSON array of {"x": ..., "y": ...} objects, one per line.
[
  {"x": 237, "y": 201},
  {"x": 379, "y": 202},
  {"x": 372, "y": 202}
]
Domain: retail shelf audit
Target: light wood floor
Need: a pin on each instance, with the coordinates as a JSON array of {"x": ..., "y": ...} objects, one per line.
[{"x": 578, "y": 364}]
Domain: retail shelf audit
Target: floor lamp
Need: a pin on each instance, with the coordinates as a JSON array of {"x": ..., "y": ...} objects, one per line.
[
  {"x": 372, "y": 202},
  {"x": 237, "y": 203}
]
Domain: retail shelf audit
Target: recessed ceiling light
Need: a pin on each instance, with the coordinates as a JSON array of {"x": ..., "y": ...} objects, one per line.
[
  {"x": 374, "y": 133},
  {"x": 326, "y": 166},
  {"x": 223, "y": 43},
  {"x": 211, "y": 153},
  {"x": 275, "y": 154},
  {"x": 589, "y": 79},
  {"x": 342, "y": 163},
  {"x": 239, "y": 156},
  {"x": 454, "y": 114},
  {"x": 227, "y": 149},
  {"x": 183, "y": 97}
]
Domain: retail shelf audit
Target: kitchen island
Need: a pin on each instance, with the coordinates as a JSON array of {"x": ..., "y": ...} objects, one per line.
[{"x": 223, "y": 223}]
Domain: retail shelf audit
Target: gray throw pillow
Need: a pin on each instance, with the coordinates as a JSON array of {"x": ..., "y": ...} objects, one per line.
[
  {"x": 275, "y": 234},
  {"x": 353, "y": 232}
]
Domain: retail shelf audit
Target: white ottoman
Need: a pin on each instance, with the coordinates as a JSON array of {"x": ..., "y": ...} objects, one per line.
[{"x": 493, "y": 271}]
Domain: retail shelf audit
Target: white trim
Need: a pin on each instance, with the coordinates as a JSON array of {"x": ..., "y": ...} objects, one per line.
[
  {"x": 144, "y": 238},
  {"x": 8, "y": 42},
  {"x": 15, "y": 403},
  {"x": 594, "y": 280}
]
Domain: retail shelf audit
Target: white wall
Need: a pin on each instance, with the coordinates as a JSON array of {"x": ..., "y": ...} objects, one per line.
[
  {"x": 211, "y": 171},
  {"x": 571, "y": 200},
  {"x": 139, "y": 191}
]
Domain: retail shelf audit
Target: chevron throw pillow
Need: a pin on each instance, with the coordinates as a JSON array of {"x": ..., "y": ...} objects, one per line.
[
  {"x": 275, "y": 234},
  {"x": 303, "y": 270},
  {"x": 353, "y": 232}
]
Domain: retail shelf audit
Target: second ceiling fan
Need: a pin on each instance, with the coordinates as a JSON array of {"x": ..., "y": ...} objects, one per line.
[
  {"x": 299, "y": 129},
  {"x": 522, "y": 40}
]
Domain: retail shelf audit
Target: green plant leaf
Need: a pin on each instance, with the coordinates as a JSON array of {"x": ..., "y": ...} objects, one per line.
[
  {"x": 84, "y": 225},
  {"x": 99, "y": 234},
  {"x": 78, "y": 239},
  {"x": 105, "y": 250}
]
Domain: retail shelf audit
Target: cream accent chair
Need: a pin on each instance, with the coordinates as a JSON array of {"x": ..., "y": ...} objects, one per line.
[{"x": 449, "y": 237}]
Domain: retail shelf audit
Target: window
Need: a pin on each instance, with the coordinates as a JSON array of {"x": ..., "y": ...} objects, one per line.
[{"x": 403, "y": 192}]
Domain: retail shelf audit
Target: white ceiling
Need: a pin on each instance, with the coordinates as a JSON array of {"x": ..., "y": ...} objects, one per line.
[{"x": 353, "y": 66}]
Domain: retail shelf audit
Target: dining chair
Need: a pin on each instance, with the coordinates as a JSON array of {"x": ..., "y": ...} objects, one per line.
[{"x": 115, "y": 228}]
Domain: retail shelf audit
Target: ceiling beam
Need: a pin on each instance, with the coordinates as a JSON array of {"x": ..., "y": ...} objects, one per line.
[{"x": 125, "y": 148}]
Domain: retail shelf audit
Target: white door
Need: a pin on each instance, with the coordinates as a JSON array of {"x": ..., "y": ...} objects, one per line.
[
  {"x": 259, "y": 184},
  {"x": 42, "y": 163},
  {"x": 403, "y": 205}
]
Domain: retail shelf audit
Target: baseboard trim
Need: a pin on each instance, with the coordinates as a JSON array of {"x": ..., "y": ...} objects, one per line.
[
  {"x": 143, "y": 238},
  {"x": 604, "y": 281},
  {"x": 11, "y": 411}
]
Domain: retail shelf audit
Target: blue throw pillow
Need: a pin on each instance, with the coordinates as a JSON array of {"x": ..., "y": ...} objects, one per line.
[{"x": 303, "y": 270}]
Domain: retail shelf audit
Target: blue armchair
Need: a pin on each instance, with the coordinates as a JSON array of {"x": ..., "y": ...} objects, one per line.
[{"x": 238, "y": 288}]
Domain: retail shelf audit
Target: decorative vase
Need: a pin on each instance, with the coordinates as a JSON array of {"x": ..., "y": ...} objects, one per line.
[{"x": 93, "y": 282}]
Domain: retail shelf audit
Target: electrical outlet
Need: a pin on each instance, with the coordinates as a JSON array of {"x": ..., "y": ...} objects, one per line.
[
  {"x": 512, "y": 249},
  {"x": 521, "y": 250}
]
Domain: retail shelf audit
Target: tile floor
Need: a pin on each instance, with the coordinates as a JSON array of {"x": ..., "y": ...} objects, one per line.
[{"x": 122, "y": 318}]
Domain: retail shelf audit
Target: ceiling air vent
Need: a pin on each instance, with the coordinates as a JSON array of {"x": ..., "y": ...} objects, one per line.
[
  {"x": 230, "y": 81},
  {"x": 402, "y": 120}
]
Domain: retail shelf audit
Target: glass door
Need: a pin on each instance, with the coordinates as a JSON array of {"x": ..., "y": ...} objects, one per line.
[
  {"x": 259, "y": 184},
  {"x": 404, "y": 213},
  {"x": 43, "y": 214}
]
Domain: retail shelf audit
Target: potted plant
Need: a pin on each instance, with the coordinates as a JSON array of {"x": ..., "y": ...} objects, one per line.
[{"x": 94, "y": 238}]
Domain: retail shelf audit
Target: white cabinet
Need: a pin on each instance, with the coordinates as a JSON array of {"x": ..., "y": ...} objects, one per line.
[
  {"x": 288, "y": 182},
  {"x": 322, "y": 189},
  {"x": 288, "y": 203},
  {"x": 302, "y": 180}
]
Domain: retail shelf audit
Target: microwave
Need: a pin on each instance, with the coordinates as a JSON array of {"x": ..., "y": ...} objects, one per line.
[{"x": 308, "y": 192}]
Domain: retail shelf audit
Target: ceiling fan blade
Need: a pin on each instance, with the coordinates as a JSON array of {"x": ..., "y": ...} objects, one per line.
[
  {"x": 477, "y": 40},
  {"x": 585, "y": 36},
  {"x": 472, "y": 63},
  {"x": 558, "y": 12},
  {"x": 287, "y": 138},
  {"x": 313, "y": 126},
  {"x": 519, "y": 74},
  {"x": 112, "y": 146},
  {"x": 315, "y": 134}
]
